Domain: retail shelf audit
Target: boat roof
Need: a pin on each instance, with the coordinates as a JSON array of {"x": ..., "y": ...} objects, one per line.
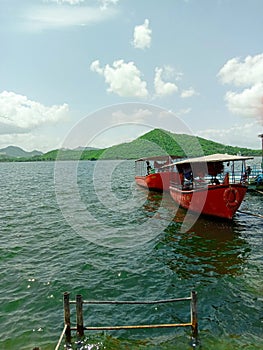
[
  {"x": 212, "y": 158},
  {"x": 165, "y": 157}
]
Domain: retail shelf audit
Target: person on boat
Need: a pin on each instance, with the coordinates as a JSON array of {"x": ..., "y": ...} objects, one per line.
[
  {"x": 226, "y": 179},
  {"x": 245, "y": 175},
  {"x": 188, "y": 175},
  {"x": 248, "y": 171},
  {"x": 149, "y": 168},
  {"x": 215, "y": 181},
  {"x": 188, "y": 179}
]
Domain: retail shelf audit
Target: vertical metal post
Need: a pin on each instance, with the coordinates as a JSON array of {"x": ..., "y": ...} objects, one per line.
[
  {"x": 261, "y": 135},
  {"x": 67, "y": 317},
  {"x": 79, "y": 312},
  {"x": 194, "y": 314}
]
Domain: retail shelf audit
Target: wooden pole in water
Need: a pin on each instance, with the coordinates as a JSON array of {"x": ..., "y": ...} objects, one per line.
[
  {"x": 67, "y": 316},
  {"x": 194, "y": 314},
  {"x": 79, "y": 311}
]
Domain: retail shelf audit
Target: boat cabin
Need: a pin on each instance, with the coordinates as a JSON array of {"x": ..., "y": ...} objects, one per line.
[
  {"x": 151, "y": 165},
  {"x": 215, "y": 169}
]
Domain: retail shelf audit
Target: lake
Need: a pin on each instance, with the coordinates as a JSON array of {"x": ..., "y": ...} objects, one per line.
[{"x": 87, "y": 229}]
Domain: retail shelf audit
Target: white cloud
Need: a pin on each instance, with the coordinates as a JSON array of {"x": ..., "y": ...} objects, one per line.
[
  {"x": 169, "y": 73},
  {"x": 70, "y": 2},
  {"x": 142, "y": 36},
  {"x": 245, "y": 73},
  {"x": 95, "y": 67},
  {"x": 188, "y": 93},
  {"x": 249, "y": 102},
  {"x": 124, "y": 79},
  {"x": 19, "y": 114},
  {"x": 51, "y": 16},
  {"x": 244, "y": 135},
  {"x": 161, "y": 87},
  {"x": 104, "y": 4},
  {"x": 31, "y": 141},
  {"x": 137, "y": 116}
]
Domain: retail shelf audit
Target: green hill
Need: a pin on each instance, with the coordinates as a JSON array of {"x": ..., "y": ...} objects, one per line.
[
  {"x": 188, "y": 145},
  {"x": 153, "y": 143},
  {"x": 160, "y": 142}
]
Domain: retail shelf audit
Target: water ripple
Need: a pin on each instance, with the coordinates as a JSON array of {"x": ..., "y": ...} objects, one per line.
[{"x": 42, "y": 256}]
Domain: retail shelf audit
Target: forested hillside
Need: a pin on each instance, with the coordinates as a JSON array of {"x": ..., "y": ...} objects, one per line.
[
  {"x": 153, "y": 143},
  {"x": 160, "y": 142}
]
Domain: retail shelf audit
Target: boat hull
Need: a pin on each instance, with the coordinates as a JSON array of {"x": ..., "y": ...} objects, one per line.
[
  {"x": 154, "y": 182},
  {"x": 216, "y": 200}
]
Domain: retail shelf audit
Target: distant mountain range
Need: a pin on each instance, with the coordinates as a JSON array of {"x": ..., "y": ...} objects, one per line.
[
  {"x": 17, "y": 152},
  {"x": 153, "y": 143}
]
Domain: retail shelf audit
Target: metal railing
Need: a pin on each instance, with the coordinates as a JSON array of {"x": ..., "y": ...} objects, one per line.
[{"x": 80, "y": 328}]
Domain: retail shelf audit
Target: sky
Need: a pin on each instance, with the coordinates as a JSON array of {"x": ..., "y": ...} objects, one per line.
[{"x": 101, "y": 72}]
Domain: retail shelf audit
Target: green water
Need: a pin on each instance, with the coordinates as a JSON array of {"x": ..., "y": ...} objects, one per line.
[{"x": 106, "y": 239}]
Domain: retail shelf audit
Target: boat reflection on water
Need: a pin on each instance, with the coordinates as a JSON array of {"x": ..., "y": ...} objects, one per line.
[
  {"x": 153, "y": 201},
  {"x": 209, "y": 248}
]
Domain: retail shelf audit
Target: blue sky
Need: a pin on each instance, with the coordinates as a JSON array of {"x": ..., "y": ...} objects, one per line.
[{"x": 201, "y": 61}]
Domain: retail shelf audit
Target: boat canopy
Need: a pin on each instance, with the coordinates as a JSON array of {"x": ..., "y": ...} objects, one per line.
[
  {"x": 213, "y": 158},
  {"x": 158, "y": 158}
]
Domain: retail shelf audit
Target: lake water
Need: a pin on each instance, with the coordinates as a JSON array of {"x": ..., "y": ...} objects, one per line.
[{"x": 87, "y": 229}]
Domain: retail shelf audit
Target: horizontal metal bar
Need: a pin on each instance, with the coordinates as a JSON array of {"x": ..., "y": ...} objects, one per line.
[
  {"x": 132, "y": 302},
  {"x": 108, "y": 328}
]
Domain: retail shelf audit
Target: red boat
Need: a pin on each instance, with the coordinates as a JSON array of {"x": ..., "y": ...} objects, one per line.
[
  {"x": 210, "y": 185},
  {"x": 152, "y": 174}
]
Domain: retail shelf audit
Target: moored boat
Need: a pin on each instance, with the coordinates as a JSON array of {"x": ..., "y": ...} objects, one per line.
[
  {"x": 209, "y": 185},
  {"x": 152, "y": 174}
]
